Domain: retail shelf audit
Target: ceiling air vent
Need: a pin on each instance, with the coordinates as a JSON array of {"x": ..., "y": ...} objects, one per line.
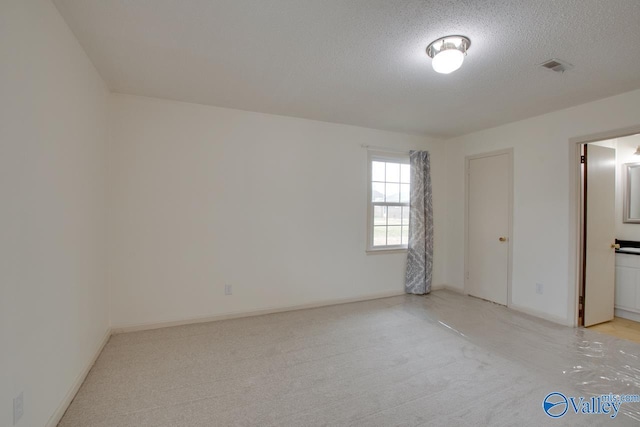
[{"x": 557, "y": 65}]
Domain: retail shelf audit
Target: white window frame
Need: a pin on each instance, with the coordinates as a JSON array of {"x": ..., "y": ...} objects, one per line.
[{"x": 383, "y": 156}]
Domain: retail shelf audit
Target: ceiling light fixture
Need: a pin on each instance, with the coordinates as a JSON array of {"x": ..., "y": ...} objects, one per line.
[{"x": 448, "y": 53}]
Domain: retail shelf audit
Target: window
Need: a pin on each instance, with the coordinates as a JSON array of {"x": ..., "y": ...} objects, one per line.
[{"x": 389, "y": 187}]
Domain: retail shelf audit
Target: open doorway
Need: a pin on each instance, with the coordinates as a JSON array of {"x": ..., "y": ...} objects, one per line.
[{"x": 609, "y": 286}]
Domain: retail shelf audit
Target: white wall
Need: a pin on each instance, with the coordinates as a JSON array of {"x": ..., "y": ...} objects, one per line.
[
  {"x": 625, "y": 149},
  {"x": 53, "y": 296},
  {"x": 541, "y": 242},
  {"x": 274, "y": 206}
]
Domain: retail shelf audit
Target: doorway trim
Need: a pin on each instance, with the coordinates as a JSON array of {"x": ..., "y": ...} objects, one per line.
[
  {"x": 467, "y": 160},
  {"x": 575, "y": 213}
]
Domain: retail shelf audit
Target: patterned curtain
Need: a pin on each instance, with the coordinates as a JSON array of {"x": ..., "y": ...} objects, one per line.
[{"x": 420, "y": 253}]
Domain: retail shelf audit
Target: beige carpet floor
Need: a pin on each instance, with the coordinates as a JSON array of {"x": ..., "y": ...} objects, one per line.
[{"x": 437, "y": 360}]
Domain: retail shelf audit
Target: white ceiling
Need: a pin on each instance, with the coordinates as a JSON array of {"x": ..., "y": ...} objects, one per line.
[{"x": 363, "y": 62}]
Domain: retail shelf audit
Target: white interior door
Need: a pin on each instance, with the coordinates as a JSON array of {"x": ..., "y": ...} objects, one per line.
[
  {"x": 599, "y": 275},
  {"x": 488, "y": 226}
]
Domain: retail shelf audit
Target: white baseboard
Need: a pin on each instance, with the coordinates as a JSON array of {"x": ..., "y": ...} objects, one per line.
[
  {"x": 446, "y": 287},
  {"x": 62, "y": 408},
  {"x": 627, "y": 314},
  {"x": 541, "y": 315},
  {"x": 530, "y": 312},
  {"x": 118, "y": 329}
]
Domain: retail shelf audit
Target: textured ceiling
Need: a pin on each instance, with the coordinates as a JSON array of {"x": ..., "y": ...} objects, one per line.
[{"x": 363, "y": 62}]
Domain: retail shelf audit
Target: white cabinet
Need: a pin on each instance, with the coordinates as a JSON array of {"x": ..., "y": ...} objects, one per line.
[{"x": 627, "y": 302}]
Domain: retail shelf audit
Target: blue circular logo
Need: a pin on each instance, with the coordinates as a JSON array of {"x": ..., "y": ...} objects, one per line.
[{"x": 555, "y": 404}]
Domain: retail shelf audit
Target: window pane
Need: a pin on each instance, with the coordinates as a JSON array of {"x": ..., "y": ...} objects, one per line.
[
  {"x": 379, "y": 236},
  {"x": 405, "y": 235},
  {"x": 393, "y": 172},
  {"x": 377, "y": 192},
  {"x": 379, "y": 215},
  {"x": 404, "y": 193},
  {"x": 405, "y": 215},
  {"x": 393, "y": 193},
  {"x": 377, "y": 171},
  {"x": 405, "y": 173},
  {"x": 394, "y": 215},
  {"x": 393, "y": 235}
]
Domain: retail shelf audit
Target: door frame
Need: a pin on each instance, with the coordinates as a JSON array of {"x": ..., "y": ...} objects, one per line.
[
  {"x": 467, "y": 161},
  {"x": 576, "y": 250}
]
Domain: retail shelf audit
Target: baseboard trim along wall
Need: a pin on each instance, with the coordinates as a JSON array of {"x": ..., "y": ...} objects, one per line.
[
  {"x": 626, "y": 314},
  {"x": 119, "y": 329},
  {"x": 512, "y": 306},
  {"x": 541, "y": 315},
  {"x": 446, "y": 287},
  {"x": 68, "y": 398}
]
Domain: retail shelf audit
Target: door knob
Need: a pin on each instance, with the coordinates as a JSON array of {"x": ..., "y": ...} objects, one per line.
[
  {"x": 615, "y": 246},
  {"x": 503, "y": 239}
]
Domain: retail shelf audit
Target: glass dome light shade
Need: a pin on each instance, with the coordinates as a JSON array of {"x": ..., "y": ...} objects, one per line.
[{"x": 447, "y": 61}]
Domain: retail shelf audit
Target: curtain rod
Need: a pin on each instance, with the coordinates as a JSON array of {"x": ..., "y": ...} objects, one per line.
[{"x": 394, "y": 150}]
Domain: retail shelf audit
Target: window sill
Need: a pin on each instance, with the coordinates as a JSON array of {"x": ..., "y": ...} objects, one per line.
[{"x": 386, "y": 251}]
